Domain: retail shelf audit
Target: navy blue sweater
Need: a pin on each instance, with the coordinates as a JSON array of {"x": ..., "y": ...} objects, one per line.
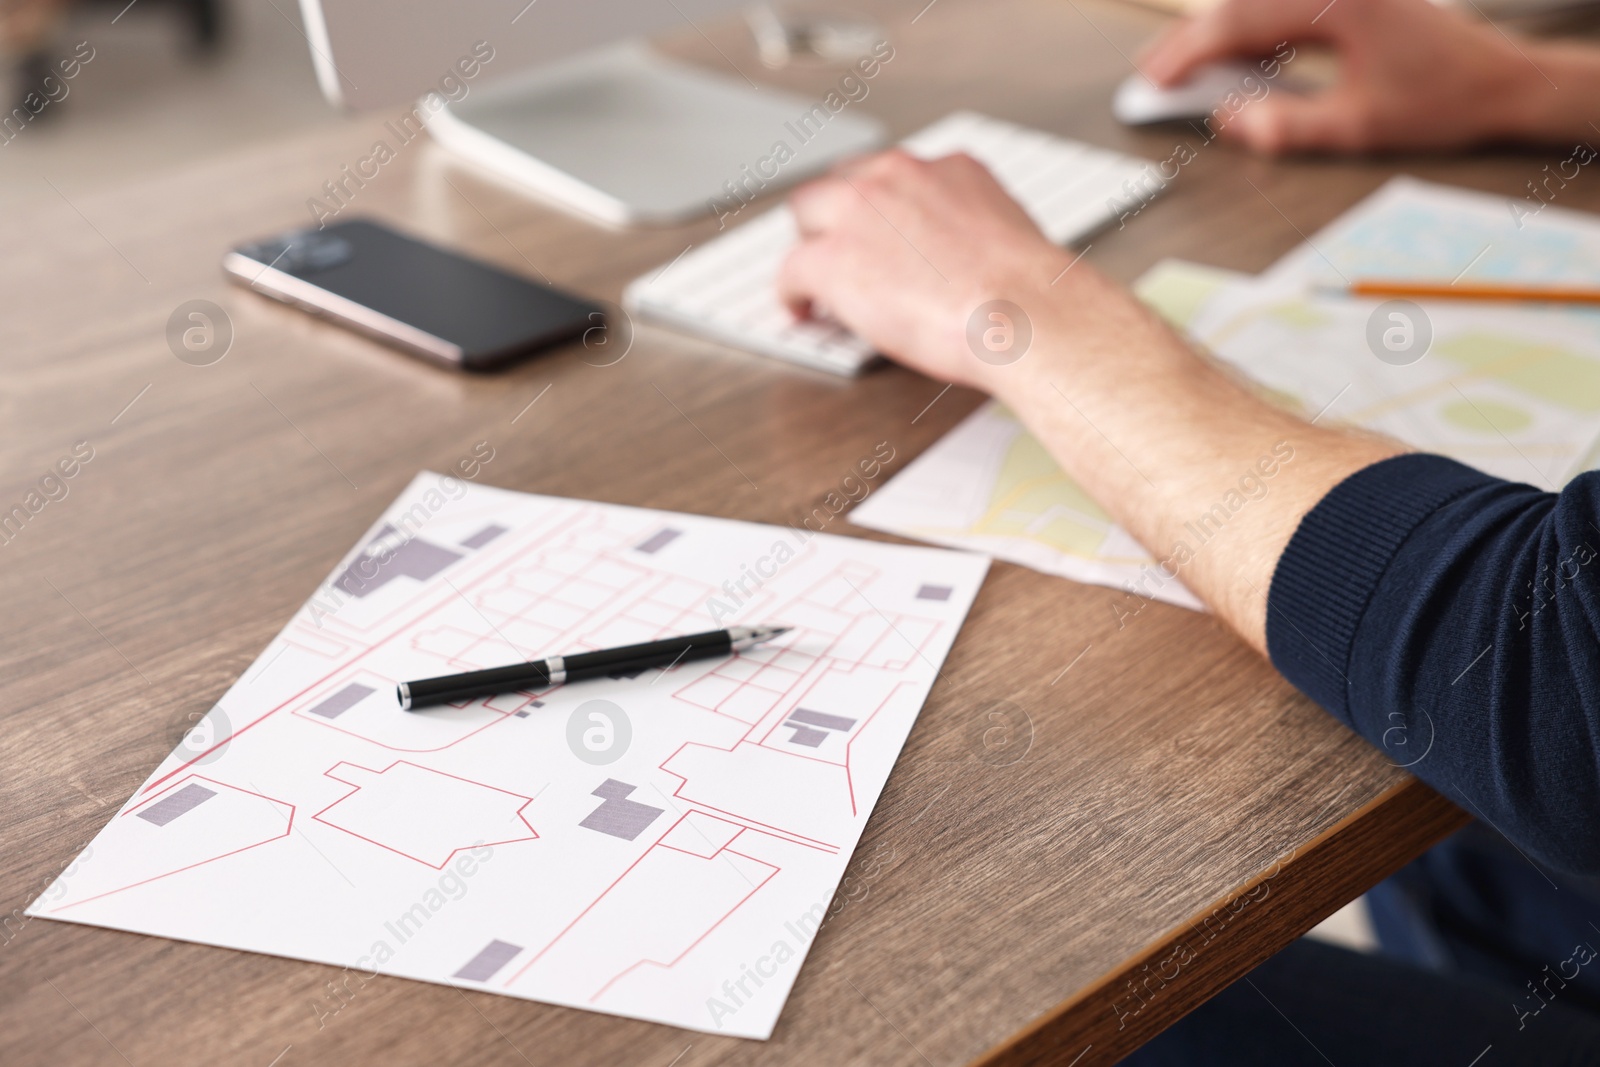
[{"x": 1453, "y": 619}]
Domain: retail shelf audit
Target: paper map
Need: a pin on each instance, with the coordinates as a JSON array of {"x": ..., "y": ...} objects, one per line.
[
  {"x": 661, "y": 846},
  {"x": 990, "y": 486},
  {"x": 1512, "y": 390},
  {"x": 1415, "y": 229}
]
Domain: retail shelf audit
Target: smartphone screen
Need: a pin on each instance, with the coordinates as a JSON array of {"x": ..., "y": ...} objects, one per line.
[{"x": 423, "y": 299}]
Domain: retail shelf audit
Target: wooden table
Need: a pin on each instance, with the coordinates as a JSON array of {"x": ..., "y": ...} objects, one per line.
[{"x": 1180, "y": 813}]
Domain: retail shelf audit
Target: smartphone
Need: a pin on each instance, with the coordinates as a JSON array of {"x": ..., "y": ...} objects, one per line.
[{"x": 441, "y": 306}]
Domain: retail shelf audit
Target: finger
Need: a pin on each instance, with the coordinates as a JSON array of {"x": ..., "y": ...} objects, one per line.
[
  {"x": 1233, "y": 29},
  {"x": 800, "y": 277},
  {"x": 819, "y": 205},
  {"x": 1328, "y": 122}
]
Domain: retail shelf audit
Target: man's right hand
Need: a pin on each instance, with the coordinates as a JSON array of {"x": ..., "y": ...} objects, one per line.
[{"x": 1412, "y": 75}]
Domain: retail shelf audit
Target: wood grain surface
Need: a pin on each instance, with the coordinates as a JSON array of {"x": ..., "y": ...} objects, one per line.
[{"x": 1004, "y": 903}]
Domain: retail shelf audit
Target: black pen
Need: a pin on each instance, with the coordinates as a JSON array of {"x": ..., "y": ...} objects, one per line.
[{"x": 554, "y": 670}]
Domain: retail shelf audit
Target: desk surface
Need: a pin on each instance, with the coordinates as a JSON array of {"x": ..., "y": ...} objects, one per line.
[{"x": 1181, "y": 812}]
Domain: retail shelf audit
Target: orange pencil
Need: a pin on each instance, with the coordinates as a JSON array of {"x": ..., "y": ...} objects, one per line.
[{"x": 1422, "y": 290}]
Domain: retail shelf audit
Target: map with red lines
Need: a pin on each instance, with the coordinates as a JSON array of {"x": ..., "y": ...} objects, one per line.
[{"x": 661, "y": 846}]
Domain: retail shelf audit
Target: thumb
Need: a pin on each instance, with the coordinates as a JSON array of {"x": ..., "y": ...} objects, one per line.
[{"x": 1285, "y": 122}]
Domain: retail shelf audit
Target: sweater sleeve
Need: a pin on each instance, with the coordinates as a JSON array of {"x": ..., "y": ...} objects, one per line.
[{"x": 1451, "y": 618}]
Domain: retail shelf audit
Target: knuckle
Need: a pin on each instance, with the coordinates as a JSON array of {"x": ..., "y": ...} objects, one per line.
[
  {"x": 894, "y": 163},
  {"x": 816, "y": 201},
  {"x": 967, "y": 163}
]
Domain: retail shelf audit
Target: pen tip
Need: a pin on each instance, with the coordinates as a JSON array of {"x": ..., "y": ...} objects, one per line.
[{"x": 743, "y": 637}]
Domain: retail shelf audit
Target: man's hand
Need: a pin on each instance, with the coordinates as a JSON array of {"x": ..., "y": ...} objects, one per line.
[
  {"x": 904, "y": 251},
  {"x": 1412, "y": 75}
]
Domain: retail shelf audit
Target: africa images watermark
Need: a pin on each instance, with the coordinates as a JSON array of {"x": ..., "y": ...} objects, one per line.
[
  {"x": 450, "y": 886},
  {"x": 752, "y": 181},
  {"x": 736, "y": 991},
  {"x": 329, "y": 599},
  {"x": 52, "y": 486},
  {"x": 12, "y": 923},
  {"x": 52, "y": 89},
  {"x": 1252, "y": 486},
  {"x": 1550, "y": 581},
  {"x": 1582, "y": 955},
  {"x": 854, "y": 487},
  {"x": 1140, "y": 190},
  {"x": 799, "y": 932},
  {"x": 1540, "y": 194},
  {"x": 1148, "y": 982},
  {"x": 453, "y": 87}
]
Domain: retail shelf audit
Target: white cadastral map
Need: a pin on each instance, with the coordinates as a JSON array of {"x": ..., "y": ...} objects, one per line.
[{"x": 661, "y": 846}]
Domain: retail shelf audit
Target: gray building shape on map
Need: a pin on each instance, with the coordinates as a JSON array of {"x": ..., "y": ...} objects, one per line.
[
  {"x": 414, "y": 558},
  {"x": 175, "y": 804},
  {"x": 811, "y": 727},
  {"x": 619, "y": 816},
  {"x": 493, "y": 956}
]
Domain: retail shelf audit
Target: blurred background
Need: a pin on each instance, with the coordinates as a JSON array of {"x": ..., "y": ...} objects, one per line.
[
  {"x": 170, "y": 81},
  {"x": 173, "y": 81}
]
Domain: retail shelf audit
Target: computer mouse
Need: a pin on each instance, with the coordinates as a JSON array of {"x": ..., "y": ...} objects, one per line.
[{"x": 1139, "y": 101}]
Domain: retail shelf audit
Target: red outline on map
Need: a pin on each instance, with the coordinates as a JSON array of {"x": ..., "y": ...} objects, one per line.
[
  {"x": 289, "y": 829},
  {"x": 356, "y": 787}
]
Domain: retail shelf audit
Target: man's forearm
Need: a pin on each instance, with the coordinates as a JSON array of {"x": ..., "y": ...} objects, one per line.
[
  {"x": 1555, "y": 98},
  {"x": 1209, "y": 477}
]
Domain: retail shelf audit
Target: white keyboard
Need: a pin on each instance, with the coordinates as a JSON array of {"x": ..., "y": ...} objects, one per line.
[{"x": 725, "y": 289}]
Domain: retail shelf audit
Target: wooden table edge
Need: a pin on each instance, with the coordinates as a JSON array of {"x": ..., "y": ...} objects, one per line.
[{"x": 1217, "y": 946}]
